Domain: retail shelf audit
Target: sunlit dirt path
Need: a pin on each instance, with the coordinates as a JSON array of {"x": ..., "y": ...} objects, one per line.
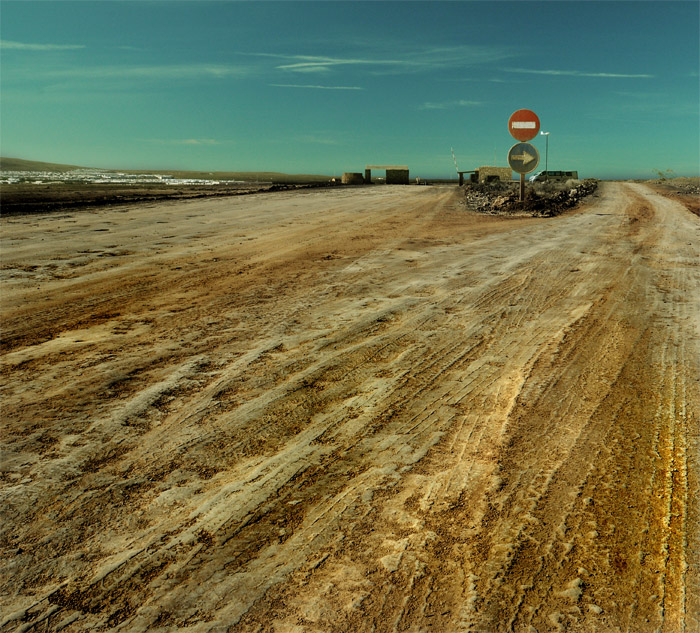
[{"x": 351, "y": 410}]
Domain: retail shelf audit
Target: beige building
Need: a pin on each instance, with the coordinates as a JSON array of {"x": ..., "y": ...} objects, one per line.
[
  {"x": 353, "y": 178},
  {"x": 486, "y": 174}
]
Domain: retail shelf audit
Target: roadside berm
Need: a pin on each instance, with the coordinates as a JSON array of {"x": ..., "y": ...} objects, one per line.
[{"x": 546, "y": 199}]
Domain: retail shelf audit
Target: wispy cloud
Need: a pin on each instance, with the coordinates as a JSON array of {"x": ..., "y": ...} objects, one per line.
[
  {"x": 655, "y": 103},
  {"x": 448, "y": 105},
  {"x": 417, "y": 60},
  {"x": 308, "y": 68},
  {"x": 577, "y": 73},
  {"x": 324, "y": 64},
  {"x": 640, "y": 96},
  {"x": 23, "y": 46},
  {"x": 183, "y": 141},
  {"x": 314, "y": 87},
  {"x": 317, "y": 140},
  {"x": 183, "y": 71},
  {"x": 196, "y": 141}
]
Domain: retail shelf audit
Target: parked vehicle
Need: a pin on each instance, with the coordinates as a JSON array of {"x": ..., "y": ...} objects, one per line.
[{"x": 554, "y": 175}]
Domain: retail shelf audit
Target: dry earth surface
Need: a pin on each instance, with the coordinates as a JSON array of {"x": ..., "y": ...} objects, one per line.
[
  {"x": 684, "y": 190},
  {"x": 30, "y": 198},
  {"x": 351, "y": 410}
]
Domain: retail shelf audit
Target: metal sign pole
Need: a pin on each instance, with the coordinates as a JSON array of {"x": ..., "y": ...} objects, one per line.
[{"x": 522, "y": 187}]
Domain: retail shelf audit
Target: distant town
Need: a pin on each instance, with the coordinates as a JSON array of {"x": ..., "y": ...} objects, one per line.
[{"x": 98, "y": 176}]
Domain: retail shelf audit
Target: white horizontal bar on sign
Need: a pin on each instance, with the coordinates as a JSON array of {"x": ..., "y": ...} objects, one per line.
[{"x": 523, "y": 124}]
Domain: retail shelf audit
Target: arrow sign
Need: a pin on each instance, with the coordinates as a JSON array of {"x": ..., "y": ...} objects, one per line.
[{"x": 523, "y": 158}]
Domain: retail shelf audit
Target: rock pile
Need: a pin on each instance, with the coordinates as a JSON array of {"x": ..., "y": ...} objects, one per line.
[{"x": 501, "y": 198}]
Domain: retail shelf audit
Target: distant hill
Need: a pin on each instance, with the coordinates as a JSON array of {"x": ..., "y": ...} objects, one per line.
[
  {"x": 19, "y": 164},
  {"x": 254, "y": 176}
]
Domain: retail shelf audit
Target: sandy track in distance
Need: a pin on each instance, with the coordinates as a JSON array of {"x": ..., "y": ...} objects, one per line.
[{"x": 352, "y": 410}]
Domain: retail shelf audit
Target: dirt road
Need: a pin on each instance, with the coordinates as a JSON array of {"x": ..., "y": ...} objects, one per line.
[{"x": 352, "y": 410}]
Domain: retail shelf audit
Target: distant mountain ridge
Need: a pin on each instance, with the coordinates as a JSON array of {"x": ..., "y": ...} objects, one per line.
[{"x": 19, "y": 164}]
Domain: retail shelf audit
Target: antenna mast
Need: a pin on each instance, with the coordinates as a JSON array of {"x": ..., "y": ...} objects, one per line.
[{"x": 459, "y": 173}]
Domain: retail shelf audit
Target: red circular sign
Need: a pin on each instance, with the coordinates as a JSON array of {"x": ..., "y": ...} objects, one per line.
[{"x": 523, "y": 125}]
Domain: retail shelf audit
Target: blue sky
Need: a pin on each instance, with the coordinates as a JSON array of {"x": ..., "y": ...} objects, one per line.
[{"x": 328, "y": 87}]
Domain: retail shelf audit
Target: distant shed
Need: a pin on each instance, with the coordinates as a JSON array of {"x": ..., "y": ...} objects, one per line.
[
  {"x": 397, "y": 176},
  {"x": 352, "y": 178},
  {"x": 487, "y": 174}
]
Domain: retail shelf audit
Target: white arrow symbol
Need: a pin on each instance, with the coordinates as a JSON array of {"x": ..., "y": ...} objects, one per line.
[{"x": 524, "y": 157}]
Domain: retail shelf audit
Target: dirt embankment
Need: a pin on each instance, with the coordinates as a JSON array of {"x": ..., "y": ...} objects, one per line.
[
  {"x": 26, "y": 199},
  {"x": 684, "y": 190},
  {"x": 541, "y": 199},
  {"x": 351, "y": 410}
]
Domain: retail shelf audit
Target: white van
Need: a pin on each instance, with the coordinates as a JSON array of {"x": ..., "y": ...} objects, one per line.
[{"x": 554, "y": 175}]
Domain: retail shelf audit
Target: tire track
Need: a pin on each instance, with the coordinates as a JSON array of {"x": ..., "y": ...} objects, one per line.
[
  {"x": 436, "y": 432},
  {"x": 595, "y": 427}
]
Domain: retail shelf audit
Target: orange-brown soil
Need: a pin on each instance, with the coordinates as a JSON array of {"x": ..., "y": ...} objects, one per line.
[{"x": 351, "y": 410}]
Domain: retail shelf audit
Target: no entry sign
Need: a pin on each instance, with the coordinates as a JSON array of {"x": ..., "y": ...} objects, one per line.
[{"x": 523, "y": 125}]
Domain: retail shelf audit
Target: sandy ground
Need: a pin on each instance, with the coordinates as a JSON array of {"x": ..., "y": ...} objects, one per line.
[
  {"x": 684, "y": 190},
  {"x": 352, "y": 410},
  {"x": 30, "y": 198}
]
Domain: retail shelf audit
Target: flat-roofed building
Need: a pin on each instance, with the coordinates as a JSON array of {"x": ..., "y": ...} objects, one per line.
[
  {"x": 395, "y": 174},
  {"x": 487, "y": 174},
  {"x": 352, "y": 178}
]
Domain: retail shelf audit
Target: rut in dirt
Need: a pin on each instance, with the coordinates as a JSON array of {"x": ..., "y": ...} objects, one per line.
[{"x": 452, "y": 423}]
